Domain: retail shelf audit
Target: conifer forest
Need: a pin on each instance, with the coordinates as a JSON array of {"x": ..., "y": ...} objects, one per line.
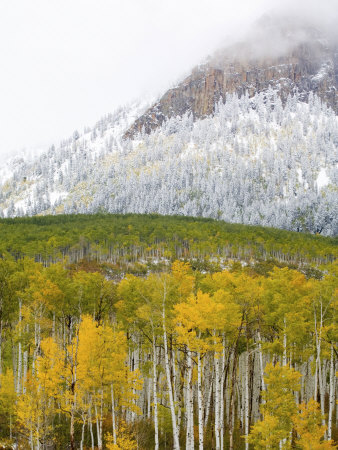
[
  {"x": 254, "y": 161},
  {"x": 150, "y": 332}
]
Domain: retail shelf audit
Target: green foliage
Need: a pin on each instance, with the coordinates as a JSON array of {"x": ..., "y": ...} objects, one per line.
[
  {"x": 278, "y": 409},
  {"x": 132, "y": 236}
]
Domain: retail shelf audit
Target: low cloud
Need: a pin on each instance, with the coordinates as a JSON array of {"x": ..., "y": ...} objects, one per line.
[{"x": 64, "y": 64}]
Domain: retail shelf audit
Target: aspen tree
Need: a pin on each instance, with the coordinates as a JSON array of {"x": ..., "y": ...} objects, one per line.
[
  {"x": 287, "y": 300},
  {"x": 11, "y": 276},
  {"x": 324, "y": 304},
  {"x": 36, "y": 406},
  {"x": 309, "y": 428},
  {"x": 101, "y": 370},
  {"x": 139, "y": 300},
  {"x": 278, "y": 410},
  {"x": 124, "y": 441},
  {"x": 8, "y": 398}
]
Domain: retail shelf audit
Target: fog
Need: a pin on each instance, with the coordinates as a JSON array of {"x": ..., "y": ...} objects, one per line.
[{"x": 66, "y": 63}]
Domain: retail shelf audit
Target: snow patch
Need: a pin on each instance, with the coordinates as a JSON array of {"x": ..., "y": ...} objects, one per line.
[
  {"x": 57, "y": 195},
  {"x": 322, "y": 179},
  {"x": 300, "y": 175},
  {"x": 322, "y": 73}
]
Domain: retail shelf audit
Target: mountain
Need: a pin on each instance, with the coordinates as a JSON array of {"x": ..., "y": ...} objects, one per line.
[
  {"x": 283, "y": 54},
  {"x": 251, "y": 136}
]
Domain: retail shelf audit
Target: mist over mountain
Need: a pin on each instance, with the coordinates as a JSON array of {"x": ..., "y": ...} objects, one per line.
[
  {"x": 280, "y": 52},
  {"x": 250, "y": 136}
]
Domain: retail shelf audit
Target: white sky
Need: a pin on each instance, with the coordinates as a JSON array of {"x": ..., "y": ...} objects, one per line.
[{"x": 65, "y": 63}]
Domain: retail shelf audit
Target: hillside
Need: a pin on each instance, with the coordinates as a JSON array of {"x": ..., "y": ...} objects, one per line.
[
  {"x": 153, "y": 238},
  {"x": 254, "y": 161},
  {"x": 248, "y": 137}
]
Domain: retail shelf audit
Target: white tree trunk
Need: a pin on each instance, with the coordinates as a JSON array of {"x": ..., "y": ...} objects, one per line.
[
  {"x": 19, "y": 373},
  {"x": 53, "y": 326},
  {"x": 261, "y": 365},
  {"x": 38, "y": 434},
  {"x": 99, "y": 422},
  {"x": 178, "y": 399},
  {"x": 232, "y": 413},
  {"x": 284, "y": 344},
  {"x": 246, "y": 397},
  {"x": 167, "y": 371},
  {"x": 189, "y": 404},
  {"x": 82, "y": 432},
  {"x": 318, "y": 368},
  {"x": 113, "y": 418},
  {"x": 208, "y": 401},
  {"x": 173, "y": 359},
  {"x": 99, "y": 442},
  {"x": 331, "y": 395},
  {"x": 319, "y": 380},
  {"x": 322, "y": 383},
  {"x": 31, "y": 440},
  {"x": 222, "y": 375},
  {"x": 91, "y": 427},
  {"x": 101, "y": 418},
  {"x": 25, "y": 368},
  {"x": 148, "y": 395},
  {"x": 217, "y": 401},
  {"x": 155, "y": 394},
  {"x": 200, "y": 402}
]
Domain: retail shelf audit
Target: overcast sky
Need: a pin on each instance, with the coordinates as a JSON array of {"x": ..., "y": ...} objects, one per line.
[{"x": 65, "y": 63}]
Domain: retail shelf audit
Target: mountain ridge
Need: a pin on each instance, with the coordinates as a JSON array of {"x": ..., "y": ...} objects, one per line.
[{"x": 294, "y": 58}]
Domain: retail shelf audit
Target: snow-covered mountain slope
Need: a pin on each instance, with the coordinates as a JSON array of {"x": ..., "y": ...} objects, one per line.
[
  {"x": 250, "y": 136},
  {"x": 284, "y": 53},
  {"x": 254, "y": 161},
  {"x": 27, "y": 172}
]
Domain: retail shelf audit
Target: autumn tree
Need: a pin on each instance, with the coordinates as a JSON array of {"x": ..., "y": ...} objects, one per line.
[{"x": 275, "y": 430}]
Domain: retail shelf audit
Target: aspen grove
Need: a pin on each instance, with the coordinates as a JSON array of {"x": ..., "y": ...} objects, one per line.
[{"x": 180, "y": 358}]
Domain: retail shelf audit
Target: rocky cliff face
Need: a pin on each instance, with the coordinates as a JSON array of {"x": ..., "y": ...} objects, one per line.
[{"x": 284, "y": 56}]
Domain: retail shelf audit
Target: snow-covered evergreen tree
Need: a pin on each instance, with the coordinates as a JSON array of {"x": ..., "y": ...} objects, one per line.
[{"x": 254, "y": 161}]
